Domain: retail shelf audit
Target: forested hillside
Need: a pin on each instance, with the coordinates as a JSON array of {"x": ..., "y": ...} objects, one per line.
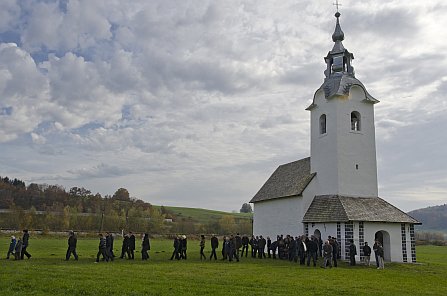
[
  {"x": 432, "y": 218},
  {"x": 53, "y": 208}
]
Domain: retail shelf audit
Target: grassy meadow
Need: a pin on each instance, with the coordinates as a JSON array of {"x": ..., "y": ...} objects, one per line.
[
  {"x": 46, "y": 273},
  {"x": 203, "y": 215}
]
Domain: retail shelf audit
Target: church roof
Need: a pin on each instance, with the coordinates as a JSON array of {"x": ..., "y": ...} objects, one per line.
[
  {"x": 335, "y": 208},
  {"x": 287, "y": 180}
]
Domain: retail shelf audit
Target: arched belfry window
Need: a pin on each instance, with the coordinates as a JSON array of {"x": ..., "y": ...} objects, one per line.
[
  {"x": 323, "y": 124},
  {"x": 355, "y": 121}
]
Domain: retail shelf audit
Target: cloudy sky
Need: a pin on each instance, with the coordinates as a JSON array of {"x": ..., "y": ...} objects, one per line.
[{"x": 195, "y": 103}]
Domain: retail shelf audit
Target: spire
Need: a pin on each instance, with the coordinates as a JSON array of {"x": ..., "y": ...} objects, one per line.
[
  {"x": 338, "y": 33},
  {"x": 339, "y": 73},
  {"x": 339, "y": 58}
]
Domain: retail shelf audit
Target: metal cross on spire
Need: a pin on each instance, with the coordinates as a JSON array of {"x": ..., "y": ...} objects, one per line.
[{"x": 337, "y": 4}]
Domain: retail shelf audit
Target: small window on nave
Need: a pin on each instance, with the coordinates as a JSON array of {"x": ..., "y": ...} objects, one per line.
[
  {"x": 322, "y": 124},
  {"x": 355, "y": 121}
]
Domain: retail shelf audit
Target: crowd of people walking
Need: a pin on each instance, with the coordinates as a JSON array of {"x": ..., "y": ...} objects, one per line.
[{"x": 302, "y": 249}]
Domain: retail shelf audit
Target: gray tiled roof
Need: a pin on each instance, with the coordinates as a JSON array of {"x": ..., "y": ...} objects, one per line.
[
  {"x": 335, "y": 208},
  {"x": 289, "y": 179},
  {"x": 340, "y": 85}
]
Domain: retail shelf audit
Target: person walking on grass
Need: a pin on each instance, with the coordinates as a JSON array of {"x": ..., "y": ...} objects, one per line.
[
  {"x": 72, "y": 242},
  {"x": 125, "y": 247},
  {"x": 380, "y": 254},
  {"x": 245, "y": 241},
  {"x": 214, "y": 246},
  {"x": 175, "y": 253},
  {"x": 102, "y": 249},
  {"x": 145, "y": 247},
  {"x": 376, "y": 254},
  {"x": 269, "y": 247},
  {"x": 237, "y": 243},
  {"x": 312, "y": 249},
  {"x": 367, "y": 253},
  {"x": 334, "y": 244},
  {"x": 352, "y": 253},
  {"x": 184, "y": 247},
  {"x": 18, "y": 250},
  {"x": 202, "y": 246},
  {"x": 109, "y": 245},
  {"x": 25, "y": 244},
  {"x": 327, "y": 254},
  {"x": 131, "y": 246},
  {"x": 12, "y": 246}
]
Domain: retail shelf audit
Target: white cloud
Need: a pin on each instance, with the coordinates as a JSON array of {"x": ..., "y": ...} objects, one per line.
[{"x": 197, "y": 102}]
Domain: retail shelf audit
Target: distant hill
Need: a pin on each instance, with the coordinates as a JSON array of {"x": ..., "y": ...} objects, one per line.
[{"x": 433, "y": 218}]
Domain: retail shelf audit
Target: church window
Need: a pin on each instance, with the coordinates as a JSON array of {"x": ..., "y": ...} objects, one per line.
[
  {"x": 355, "y": 121},
  {"x": 323, "y": 124}
]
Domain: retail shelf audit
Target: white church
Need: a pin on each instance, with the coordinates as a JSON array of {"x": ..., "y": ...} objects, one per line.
[{"x": 334, "y": 192}]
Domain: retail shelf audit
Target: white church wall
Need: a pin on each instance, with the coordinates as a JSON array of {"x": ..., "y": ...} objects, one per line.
[
  {"x": 278, "y": 216},
  {"x": 357, "y": 170},
  {"x": 393, "y": 252},
  {"x": 308, "y": 196},
  {"x": 325, "y": 229},
  {"x": 322, "y": 146},
  {"x": 345, "y": 160}
]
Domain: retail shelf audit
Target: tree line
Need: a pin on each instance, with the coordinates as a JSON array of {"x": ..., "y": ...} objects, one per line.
[{"x": 53, "y": 208}]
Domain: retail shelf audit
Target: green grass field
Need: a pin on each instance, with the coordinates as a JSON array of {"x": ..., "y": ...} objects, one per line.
[
  {"x": 46, "y": 273},
  {"x": 203, "y": 215}
]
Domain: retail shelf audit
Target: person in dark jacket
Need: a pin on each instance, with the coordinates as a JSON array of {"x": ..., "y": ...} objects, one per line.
[
  {"x": 102, "y": 249},
  {"x": 131, "y": 246},
  {"x": 25, "y": 244},
  {"x": 312, "y": 249},
  {"x": 176, "y": 245},
  {"x": 184, "y": 247},
  {"x": 375, "y": 249},
  {"x": 352, "y": 252},
  {"x": 269, "y": 247},
  {"x": 281, "y": 245},
  {"x": 254, "y": 246},
  {"x": 301, "y": 247},
  {"x": 12, "y": 246},
  {"x": 261, "y": 247},
  {"x": 274, "y": 246},
  {"x": 145, "y": 247},
  {"x": 245, "y": 241},
  {"x": 125, "y": 247},
  {"x": 18, "y": 250},
  {"x": 109, "y": 245},
  {"x": 334, "y": 245},
  {"x": 380, "y": 254},
  {"x": 237, "y": 243},
  {"x": 232, "y": 251},
  {"x": 202, "y": 246},
  {"x": 292, "y": 249},
  {"x": 214, "y": 246},
  {"x": 367, "y": 253},
  {"x": 72, "y": 242},
  {"x": 320, "y": 246}
]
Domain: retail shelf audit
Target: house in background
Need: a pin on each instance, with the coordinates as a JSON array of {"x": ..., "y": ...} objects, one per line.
[{"x": 334, "y": 192}]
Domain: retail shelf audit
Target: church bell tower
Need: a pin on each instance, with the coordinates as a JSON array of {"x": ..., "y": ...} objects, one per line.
[{"x": 343, "y": 148}]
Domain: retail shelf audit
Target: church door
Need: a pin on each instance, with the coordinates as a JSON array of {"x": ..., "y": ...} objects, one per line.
[{"x": 384, "y": 238}]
